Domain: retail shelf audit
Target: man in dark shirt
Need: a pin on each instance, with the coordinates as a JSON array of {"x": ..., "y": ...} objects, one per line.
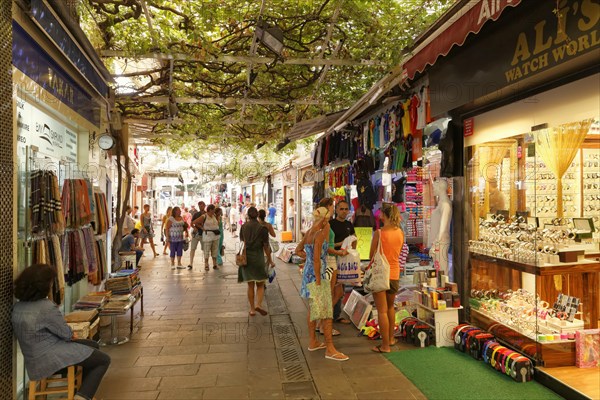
[
  {"x": 128, "y": 245},
  {"x": 341, "y": 228}
]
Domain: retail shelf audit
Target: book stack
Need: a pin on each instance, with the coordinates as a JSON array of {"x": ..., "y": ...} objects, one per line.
[
  {"x": 123, "y": 282},
  {"x": 90, "y": 301},
  {"x": 118, "y": 304}
]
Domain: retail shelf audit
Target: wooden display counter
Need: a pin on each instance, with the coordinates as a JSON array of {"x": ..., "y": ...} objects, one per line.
[{"x": 580, "y": 279}]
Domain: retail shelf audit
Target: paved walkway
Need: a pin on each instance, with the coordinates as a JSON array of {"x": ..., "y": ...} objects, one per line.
[{"x": 197, "y": 341}]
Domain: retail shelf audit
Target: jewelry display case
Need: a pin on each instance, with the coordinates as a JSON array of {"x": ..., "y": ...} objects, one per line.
[{"x": 529, "y": 197}]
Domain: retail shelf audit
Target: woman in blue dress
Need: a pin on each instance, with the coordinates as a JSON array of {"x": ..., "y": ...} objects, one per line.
[{"x": 314, "y": 248}]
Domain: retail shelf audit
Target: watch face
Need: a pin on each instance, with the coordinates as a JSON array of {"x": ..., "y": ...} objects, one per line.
[{"x": 106, "y": 142}]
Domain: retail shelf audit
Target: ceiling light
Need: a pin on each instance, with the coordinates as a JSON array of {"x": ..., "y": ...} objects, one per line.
[{"x": 272, "y": 38}]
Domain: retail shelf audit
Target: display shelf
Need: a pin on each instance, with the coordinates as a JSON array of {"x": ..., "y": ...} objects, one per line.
[{"x": 435, "y": 310}]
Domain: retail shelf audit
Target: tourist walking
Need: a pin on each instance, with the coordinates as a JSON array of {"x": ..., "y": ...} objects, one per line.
[
  {"x": 196, "y": 232},
  {"x": 392, "y": 240},
  {"x": 234, "y": 219},
  {"x": 221, "y": 248},
  {"x": 163, "y": 228},
  {"x": 314, "y": 247},
  {"x": 261, "y": 220},
  {"x": 255, "y": 238},
  {"x": 209, "y": 224},
  {"x": 177, "y": 233},
  {"x": 147, "y": 231}
]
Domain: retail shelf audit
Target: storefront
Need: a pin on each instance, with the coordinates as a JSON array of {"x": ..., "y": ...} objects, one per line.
[
  {"x": 63, "y": 186},
  {"x": 524, "y": 94}
]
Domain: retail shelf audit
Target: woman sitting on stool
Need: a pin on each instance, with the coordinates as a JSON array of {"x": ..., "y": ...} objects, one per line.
[{"x": 45, "y": 338}]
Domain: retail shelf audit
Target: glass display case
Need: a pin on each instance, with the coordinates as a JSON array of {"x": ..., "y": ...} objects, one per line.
[{"x": 533, "y": 208}]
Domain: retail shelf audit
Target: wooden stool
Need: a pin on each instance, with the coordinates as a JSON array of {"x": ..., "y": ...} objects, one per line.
[
  {"x": 69, "y": 385},
  {"x": 129, "y": 258}
]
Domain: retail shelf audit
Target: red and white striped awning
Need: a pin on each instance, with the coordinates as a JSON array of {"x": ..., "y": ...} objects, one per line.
[{"x": 469, "y": 18}]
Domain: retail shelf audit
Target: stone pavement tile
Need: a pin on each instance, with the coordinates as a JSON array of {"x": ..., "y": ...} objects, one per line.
[
  {"x": 165, "y": 336},
  {"x": 181, "y": 394},
  {"x": 127, "y": 351},
  {"x": 144, "y": 395},
  {"x": 174, "y": 341},
  {"x": 221, "y": 357},
  {"x": 260, "y": 393},
  {"x": 381, "y": 370},
  {"x": 166, "y": 360},
  {"x": 228, "y": 348},
  {"x": 369, "y": 383},
  {"x": 263, "y": 358},
  {"x": 174, "y": 370},
  {"x": 237, "y": 368},
  {"x": 116, "y": 385},
  {"x": 171, "y": 327},
  {"x": 184, "y": 349},
  {"x": 391, "y": 395},
  {"x": 226, "y": 392},
  {"x": 133, "y": 372},
  {"x": 232, "y": 379},
  {"x": 123, "y": 362},
  {"x": 188, "y": 382}
]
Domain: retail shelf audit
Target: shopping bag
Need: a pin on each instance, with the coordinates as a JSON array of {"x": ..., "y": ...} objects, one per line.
[
  {"x": 271, "y": 273},
  {"x": 358, "y": 309},
  {"x": 274, "y": 245},
  {"x": 320, "y": 300},
  {"x": 240, "y": 257},
  {"x": 186, "y": 245},
  {"x": 348, "y": 266},
  {"x": 377, "y": 273}
]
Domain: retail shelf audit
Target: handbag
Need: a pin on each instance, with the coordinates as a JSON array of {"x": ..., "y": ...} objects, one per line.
[
  {"x": 240, "y": 257},
  {"x": 186, "y": 245},
  {"x": 377, "y": 273}
]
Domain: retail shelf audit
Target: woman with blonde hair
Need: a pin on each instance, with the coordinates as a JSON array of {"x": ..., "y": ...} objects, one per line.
[
  {"x": 392, "y": 240},
  {"x": 163, "y": 226},
  {"x": 314, "y": 246}
]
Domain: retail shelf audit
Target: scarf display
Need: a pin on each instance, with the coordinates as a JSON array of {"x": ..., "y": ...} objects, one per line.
[
  {"x": 45, "y": 203},
  {"x": 100, "y": 213},
  {"x": 47, "y": 250},
  {"x": 76, "y": 203}
]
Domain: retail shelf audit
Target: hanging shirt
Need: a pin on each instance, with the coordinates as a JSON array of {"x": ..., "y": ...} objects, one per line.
[
  {"x": 406, "y": 118},
  {"x": 422, "y": 108},
  {"x": 414, "y": 105}
]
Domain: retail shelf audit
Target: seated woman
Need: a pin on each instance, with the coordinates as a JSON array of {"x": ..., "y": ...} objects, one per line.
[{"x": 45, "y": 338}]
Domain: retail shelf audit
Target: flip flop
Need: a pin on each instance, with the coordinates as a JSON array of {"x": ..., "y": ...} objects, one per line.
[
  {"x": 261, "y": 311},
  {"x": 377, "y": 349},
  {"x": 207, "y": 268},
  {"x": 252, "y": 313},
  {"x": 343, "y": 321},
  {"x": 337, "y": 357},
  {"x": 319, "y": 347}
]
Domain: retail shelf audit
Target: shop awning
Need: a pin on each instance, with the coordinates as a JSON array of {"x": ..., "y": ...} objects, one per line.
[
  {"x": 467, "y": 17},
  {"x": 309, "y": 127}
]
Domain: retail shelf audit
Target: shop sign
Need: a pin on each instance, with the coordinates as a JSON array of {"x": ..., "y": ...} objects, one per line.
[
  {"x": 33, "y": 61},
  {"x": 527, "y": 40},
  {"x": 468, "y": 126},
  {"x": 289, "y": 176},
  {"x": 308, "y": 177},
  {"x": 51, "y": 137}
]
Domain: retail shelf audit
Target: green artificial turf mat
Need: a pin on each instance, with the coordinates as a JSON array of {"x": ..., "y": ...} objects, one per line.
[{"x": 447, "y": 374}]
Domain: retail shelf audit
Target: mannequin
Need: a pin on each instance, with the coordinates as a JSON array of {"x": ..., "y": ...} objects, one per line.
[{"x": 439, "y": 235}]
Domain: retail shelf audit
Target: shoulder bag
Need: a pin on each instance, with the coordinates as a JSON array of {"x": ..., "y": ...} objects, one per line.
[
  {"x": 377, "y": 273},
  {"x": 240, "y": 257}
]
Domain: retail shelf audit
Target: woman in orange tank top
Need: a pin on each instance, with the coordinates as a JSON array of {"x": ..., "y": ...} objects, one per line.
[{"x": 392, "y": 240}]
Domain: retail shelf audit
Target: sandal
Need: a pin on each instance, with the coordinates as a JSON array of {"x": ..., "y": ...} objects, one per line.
[
  {"x": 319, "y": 347},
  {"x": 207, "y": 268},
  {"x": 343, "y": 321},
  {"x": 337, "y": 357},
  {"x": 377, "y": 349},
  {"x": 215, "y": 267},
  {"x": 252, "y": 313}
]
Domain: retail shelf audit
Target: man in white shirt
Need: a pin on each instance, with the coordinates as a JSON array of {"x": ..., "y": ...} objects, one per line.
[
  {"x": 234, "y": 218},
  {"x": 291, "y": 216},
  {"x": 128, "y": 222}
]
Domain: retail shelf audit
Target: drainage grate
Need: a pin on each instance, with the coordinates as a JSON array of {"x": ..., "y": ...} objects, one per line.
[
  {"x": 285, "y": 341},
  {"x": 282, "y": 329},
  {"x": 289, "y": 354},
  {"x": 295, "y": 372}
]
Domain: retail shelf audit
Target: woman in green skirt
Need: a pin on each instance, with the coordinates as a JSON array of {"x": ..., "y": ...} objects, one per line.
[{"x": 256, "y": 240}]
